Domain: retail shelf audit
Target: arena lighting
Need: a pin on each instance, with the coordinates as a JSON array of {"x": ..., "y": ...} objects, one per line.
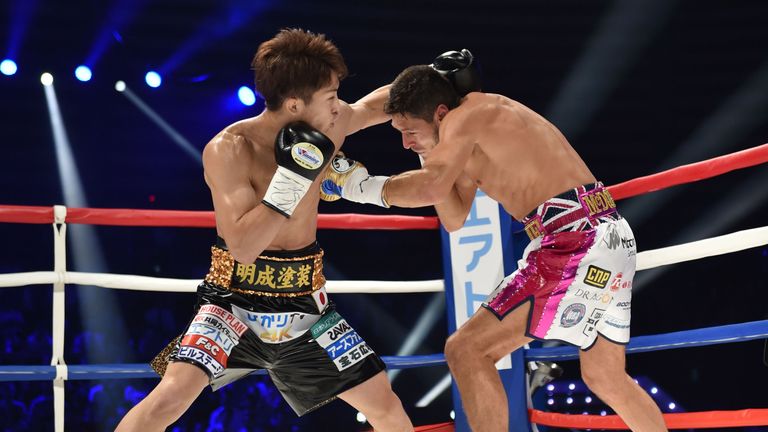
[
  {"x": 737, "y": 116},
  {"x": 153, "y": 79},
  {"x": 174, "y": 135},
  {"x": 98, "y": 308},
  {"x": 360, "y": 417},
  {"x": 83, "y": 73},
  {"x": 431, "y": 395},
  {"x": 605, "y": 62},
  {"x": 427, "y": 320},
  {"x": 46, "y": 79},
  {"x": 8, "y": 67},
  {"x": 246, "y": 95}
]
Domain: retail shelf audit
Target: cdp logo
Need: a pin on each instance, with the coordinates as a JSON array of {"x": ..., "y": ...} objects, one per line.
[{"x": 597, "y": 277}]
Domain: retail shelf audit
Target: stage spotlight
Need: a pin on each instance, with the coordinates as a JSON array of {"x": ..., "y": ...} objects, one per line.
[
  {"x": 153, "y": 79},
  {"x": 83, "y": 73},
  {"x": 246, "y": 96},
  {"x": 360, "y": 417},
  {"x": 8, "y": 67},
  {"x": 46, "y": 79},
  {"x": 120, "y": 86}
]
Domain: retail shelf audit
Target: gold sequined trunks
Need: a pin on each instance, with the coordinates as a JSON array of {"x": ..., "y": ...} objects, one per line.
[{"x": 269, "y": 275}]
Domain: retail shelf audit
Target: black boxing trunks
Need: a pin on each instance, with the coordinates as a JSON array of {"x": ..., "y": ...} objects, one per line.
[{"x": 273, "y": 314}]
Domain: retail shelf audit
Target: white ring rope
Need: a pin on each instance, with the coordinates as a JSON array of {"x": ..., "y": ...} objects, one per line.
[{"x": 720, "y": 245}]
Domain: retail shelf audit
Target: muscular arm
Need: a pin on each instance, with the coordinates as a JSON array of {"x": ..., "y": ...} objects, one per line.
[
  {"x": 454, "y": 209},
  {"x": 367, "y": 111},
  {"x": 434, "y": 183},
  {"x": 242, "y": 220}
]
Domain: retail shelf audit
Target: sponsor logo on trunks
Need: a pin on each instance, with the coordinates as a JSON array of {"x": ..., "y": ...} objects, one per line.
[
  {"x": 592, "y": 321},
  {"x": 619, "y": 283},
  {"x": 342, "y": 343},
  {"x": 627, "y": 243},
  {"x": 616, "y": 323},
  {"x": 624, "y": 305},
  {"x": 221, "y": 338},
  {"x": 287, "y": 275},
  {"x": 276, "y": 327},
  {"x": 201, "y": 357},
  {"x": 230, "y": 320},
  {"x": 612, "y": 239},
  {"x": 573, "y": 315},
  {"x": 203, "y": 343},
  {"x": 597, "y": 277},
  {"x": 604, "y": 298},
  {"x": 597, "y": 202}
]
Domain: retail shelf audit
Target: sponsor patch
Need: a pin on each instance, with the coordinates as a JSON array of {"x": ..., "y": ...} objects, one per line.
[
  {"x": 342, "y": 343},
  {"x": 307, "y": 155},
  {"x": 276, "y": 327},
  {"x": 573, "y": 315},
  {"x": 592, "y": 321},
  {"x": 597, "y": 277},
  {"x": 199, "y": 356}
]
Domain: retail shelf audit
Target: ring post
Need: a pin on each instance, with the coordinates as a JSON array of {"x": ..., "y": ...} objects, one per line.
[{"x": 476, "y": 258}]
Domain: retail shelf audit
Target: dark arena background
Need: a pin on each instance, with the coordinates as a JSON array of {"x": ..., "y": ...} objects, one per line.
[{"x": 136, "y": 88}]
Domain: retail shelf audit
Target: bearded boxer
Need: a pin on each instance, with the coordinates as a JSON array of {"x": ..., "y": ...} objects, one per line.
[
  {"x": 574, "y": 281},
  {"x": 263, "y": 303}
]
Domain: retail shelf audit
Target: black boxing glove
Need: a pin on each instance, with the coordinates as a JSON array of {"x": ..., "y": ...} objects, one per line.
[
  {"x": 301, "y": 152},
  {"x": 461, "y": 69}
]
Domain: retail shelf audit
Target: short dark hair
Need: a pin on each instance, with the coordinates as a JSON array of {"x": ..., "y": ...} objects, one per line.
[
  {"x": 295, "y": 63},
  {"x": 418, "y": 91}
]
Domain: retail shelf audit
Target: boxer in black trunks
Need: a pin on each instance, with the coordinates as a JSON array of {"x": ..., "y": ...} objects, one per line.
[{"x": 263, "y": 303}]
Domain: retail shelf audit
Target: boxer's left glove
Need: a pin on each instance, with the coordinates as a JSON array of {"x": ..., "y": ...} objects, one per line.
[
  {"x": 349, "y": 179},
  {"x": 461, "y": 69},
  {"x": 301, "y": 152}
]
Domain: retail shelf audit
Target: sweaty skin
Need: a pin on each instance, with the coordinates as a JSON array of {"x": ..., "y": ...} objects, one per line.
[
  {"x": 239, "y": 164},
  {"x": 489, "y": 142}
]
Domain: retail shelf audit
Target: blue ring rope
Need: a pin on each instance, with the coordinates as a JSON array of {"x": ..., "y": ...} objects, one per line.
[{"x": 683, "y": 339}]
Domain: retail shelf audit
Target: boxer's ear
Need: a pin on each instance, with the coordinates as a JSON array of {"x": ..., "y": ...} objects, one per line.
[{"x": 440, "y": 113}]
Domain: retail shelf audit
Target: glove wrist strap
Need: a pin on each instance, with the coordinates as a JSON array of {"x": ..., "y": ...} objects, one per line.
[{"x": 285, "y": 191}]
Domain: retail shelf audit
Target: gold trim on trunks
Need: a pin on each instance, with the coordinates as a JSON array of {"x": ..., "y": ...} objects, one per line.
[{"x": 277, "y": 280}]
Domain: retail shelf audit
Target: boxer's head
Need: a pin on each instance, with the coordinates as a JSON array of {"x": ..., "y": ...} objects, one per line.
[
  {"x": 418, "y": 100},
  {"x": 299, "y": 71}
]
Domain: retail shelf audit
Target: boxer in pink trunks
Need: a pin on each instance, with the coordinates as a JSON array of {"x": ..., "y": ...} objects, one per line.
[{"x": 574, "y": 281}]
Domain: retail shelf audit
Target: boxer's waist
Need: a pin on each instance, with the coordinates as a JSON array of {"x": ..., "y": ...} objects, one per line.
[
  {"x": 274, "y": 273},
  {"x": 573, "y": 210}
]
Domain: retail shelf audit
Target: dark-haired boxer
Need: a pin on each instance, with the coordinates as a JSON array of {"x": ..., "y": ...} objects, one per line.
[
  {"x": 263, "y": 304},
  {"x": 574, "y": 281}
]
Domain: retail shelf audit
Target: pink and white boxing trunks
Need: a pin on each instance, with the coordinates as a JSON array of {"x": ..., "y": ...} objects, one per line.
[{"x": 576, "y": 273}]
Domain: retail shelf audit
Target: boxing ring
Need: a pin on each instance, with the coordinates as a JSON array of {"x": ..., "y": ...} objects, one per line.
[{"x": 59, "y": 216}]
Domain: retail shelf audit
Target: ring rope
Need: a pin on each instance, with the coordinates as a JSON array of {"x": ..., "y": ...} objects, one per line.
[
  {"x": 698, "y": 420},
  {"x": 59, "y": 372},
  {"x": 691, "y": 172},
  {"x": 645, "y": 260},
  {"x": 177, "y": 218},
  {"x": 681, "y": 339}
]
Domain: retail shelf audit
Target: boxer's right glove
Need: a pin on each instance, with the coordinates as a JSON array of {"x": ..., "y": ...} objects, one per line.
[
  {"x": 301, "y": 152},
  {"x": 349, "y": 179}
]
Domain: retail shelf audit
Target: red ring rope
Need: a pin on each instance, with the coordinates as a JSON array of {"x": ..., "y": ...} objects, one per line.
[
  {"x": 698, "y": 420},
  {"x": 176, "y": 218}
]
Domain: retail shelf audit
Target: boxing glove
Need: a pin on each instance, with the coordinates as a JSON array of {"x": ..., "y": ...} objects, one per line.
[
  {"x": 301, "y": 152},
  {"x": 461, "y": 69},
  {"x": 349, "y": 179}
]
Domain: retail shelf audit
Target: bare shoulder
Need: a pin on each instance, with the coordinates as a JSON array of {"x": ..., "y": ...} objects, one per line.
[
  {"x": 226, "y": 146},
  {"x": 228, "y": 156}
]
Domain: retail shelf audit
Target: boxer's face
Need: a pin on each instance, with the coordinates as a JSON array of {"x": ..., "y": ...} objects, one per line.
[
  {"x": 322, "y": 111},
  {"x": 418, "y": 135}
]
